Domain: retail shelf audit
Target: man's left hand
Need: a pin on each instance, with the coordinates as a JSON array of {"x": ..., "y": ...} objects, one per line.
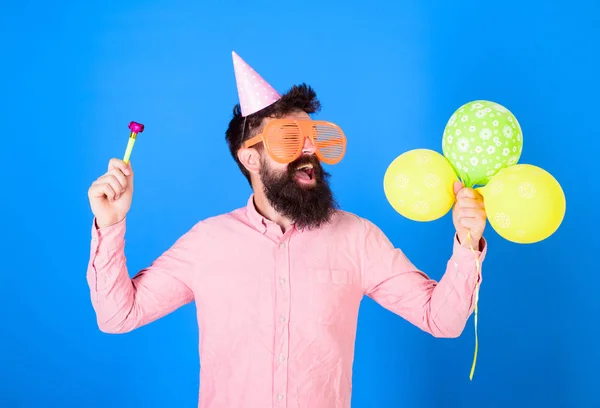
[{"x": 468, "y": 215}]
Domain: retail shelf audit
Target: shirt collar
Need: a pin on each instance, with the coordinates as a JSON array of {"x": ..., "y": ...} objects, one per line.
[{"x": 257, "y": 220}]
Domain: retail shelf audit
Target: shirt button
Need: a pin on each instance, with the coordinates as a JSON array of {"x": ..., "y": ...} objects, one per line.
[
  {"x": 282, "y": 245},
  {"x": 281, "y": 358},
  {"x": 282, "y": 281},
  {"x": 282, "y": 319},
  {"x": 280, "y": 397}
]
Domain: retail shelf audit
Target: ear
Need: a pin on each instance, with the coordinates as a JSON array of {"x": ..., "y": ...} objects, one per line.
[{"x": 250, "y": 158}]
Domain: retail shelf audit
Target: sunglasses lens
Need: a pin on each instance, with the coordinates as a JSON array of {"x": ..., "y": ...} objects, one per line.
[
  {"x": 330, "y": 142},
  {"x": 284, "y": 142}
]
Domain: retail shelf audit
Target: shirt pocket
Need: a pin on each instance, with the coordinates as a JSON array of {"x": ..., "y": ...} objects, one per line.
[{"x": 331, "y": 295}]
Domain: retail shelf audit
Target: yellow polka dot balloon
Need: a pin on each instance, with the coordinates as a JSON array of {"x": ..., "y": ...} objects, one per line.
[
  {"x": 419, "y": 185},
  {"x": 524, "y": 203}
]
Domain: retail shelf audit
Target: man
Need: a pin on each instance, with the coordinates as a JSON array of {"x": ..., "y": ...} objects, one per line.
[{"x": 278, "y": 283}]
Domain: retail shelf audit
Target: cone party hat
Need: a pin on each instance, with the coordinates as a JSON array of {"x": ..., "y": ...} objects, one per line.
[{"x": 253, "y": 91}]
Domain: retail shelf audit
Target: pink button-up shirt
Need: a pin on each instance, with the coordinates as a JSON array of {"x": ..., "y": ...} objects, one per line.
[{"x": 277, "y": 311}]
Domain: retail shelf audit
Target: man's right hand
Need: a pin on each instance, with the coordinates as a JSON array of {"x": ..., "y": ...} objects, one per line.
[{"x": 110, "y": 195}]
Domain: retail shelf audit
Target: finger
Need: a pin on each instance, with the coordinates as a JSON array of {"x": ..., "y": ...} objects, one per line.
[
  {"x": 465, "y": 203},
  {"x": 121, "y": 165},
  {"x": 471, "y": 213},
  {"x": 472, "y": 223},
  {"x": 103, "y": 189},
  {"x": 466, "y": 193},
  {"x": 113, "y": 182},
  {"x": 457, "y": 187},
  {"x": 109, "y": 192},
  {"x": 121, "y": 178}
]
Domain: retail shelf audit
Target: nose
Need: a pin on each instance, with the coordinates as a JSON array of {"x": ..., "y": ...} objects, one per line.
[{"x": 309, "y": 147}]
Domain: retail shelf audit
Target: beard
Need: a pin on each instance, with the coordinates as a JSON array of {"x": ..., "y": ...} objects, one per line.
[{"x": 307, "y": 206}]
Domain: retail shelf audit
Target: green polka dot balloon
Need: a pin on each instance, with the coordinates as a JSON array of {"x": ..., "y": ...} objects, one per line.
[{"x": 480, "y": 139}]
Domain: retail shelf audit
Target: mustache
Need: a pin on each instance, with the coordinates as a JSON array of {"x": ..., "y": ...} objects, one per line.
[{"x": 306, "y": 159}]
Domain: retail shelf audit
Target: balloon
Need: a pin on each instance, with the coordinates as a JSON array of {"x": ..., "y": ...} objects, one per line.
[
  {"x": 524, "y": 203},
  {"x": 419, "y": 185},
  {"x": 480, "y": 139}
]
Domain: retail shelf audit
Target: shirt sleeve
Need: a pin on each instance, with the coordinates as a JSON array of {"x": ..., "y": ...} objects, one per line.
[
  {"x": 122, "y": 303},
  {"x": 439, "y": 308}
]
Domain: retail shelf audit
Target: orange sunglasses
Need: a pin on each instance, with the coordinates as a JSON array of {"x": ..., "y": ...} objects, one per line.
[{"x": 284, "y": 140}]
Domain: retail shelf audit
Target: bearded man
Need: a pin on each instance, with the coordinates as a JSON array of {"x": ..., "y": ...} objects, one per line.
[{"x": 278, "y": 283}]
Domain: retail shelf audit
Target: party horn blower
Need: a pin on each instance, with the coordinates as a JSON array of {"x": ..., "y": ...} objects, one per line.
[{"x": 135, "y": 129}]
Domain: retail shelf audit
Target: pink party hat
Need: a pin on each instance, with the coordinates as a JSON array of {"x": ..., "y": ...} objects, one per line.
[{"x": 254, "y": 92}]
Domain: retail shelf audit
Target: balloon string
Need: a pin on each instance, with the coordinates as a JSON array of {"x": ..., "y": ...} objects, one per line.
[{"x": 476, "y": 301}]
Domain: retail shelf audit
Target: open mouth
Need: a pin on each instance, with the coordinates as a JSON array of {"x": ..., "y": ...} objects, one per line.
[{"x": 305, "y": 173}]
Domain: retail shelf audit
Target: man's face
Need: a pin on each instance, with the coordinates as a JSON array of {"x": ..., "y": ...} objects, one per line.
[{"x": 299, "y": 190}]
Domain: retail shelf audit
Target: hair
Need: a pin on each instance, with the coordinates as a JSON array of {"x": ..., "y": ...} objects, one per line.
[{"x": 299, "y": 97}]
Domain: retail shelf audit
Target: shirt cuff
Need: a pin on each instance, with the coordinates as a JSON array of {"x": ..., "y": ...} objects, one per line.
[
  {"x": 463, "y": 256},
  {"x": 464, "y": 251},
  {"x": 112, "y": 236}
]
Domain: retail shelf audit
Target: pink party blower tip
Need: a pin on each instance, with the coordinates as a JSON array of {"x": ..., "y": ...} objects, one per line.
[{"x": 135, "y": 129}]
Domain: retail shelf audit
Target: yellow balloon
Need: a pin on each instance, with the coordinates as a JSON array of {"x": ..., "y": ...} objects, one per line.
[
  {"x": 419, "y": 185},
  {"x": 524, "y": 203}
]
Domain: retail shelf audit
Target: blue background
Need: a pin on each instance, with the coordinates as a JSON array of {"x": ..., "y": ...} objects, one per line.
[{"x": 390, "y": 73}]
